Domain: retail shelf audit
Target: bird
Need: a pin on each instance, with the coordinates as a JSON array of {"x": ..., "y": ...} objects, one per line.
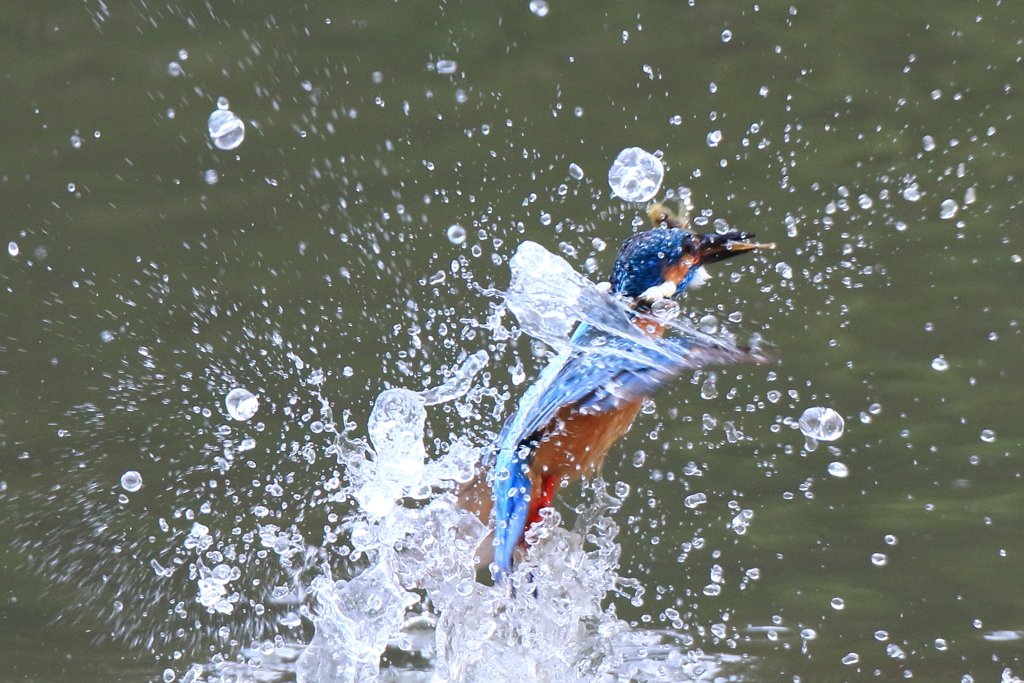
[{"x": 589, "y": 394}]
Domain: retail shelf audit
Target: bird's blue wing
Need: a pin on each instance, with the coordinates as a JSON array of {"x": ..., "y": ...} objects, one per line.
[{"x": 598, "y": 372}]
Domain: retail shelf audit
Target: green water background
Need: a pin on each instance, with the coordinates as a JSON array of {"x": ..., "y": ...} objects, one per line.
[{"x": 326, "y": 226}]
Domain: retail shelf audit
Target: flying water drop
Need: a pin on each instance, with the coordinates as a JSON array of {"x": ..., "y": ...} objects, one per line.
[
  {"x": 456, "y": 234},
  {"x": 948, "y": 209},
  {"x": 636, "y": 175},
  {"x": 821, "y": 424},
  {"x": 241, "y": 404},
  {"x": 446, "y": 66},
  {"x": 838, "y": 470},
  {"x": 226, "y": 130},
  {"x": 131, "y": 481}
]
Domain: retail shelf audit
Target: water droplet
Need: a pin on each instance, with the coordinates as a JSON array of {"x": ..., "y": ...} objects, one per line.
[
  {"x": 838, "y": 469},
  {"x": 636, "y": 175},
  {"x": 851, "y": 658},
  {"x": 76, "y": 141},
  {"x": 241, "y": 404},
  {"x": 676, "y": 120},
  {"x": 575, "y": 172},
  {"x": 13, "y": 249},
  {"x": 940, "y": 364},
  {"x": 988, "y": 436},
  {"x": 106, "y": 336},
  {"x": 447, "y": 66},
  {"x": 911, "y": 192},
  {"x": 539, "y": 7},
  {"x": 694, "y": 500},
  {"x": 726, "y": 36},
  {"x": 714, "y": 137},
  {"x": 169, "y": 675},
  {"x": 948, "y": 209},
  {"x": 131, "y": 481},
  {"x": 879, "y": 559},
  {"x": 808, "y": 634},
  {"x": 928, "y": 142},
  {"x": 211, "y": 176},
  {"x": 837, "y": 603},
  {"x": 970, "y": 195},
  {"x": 621, "y": 489},
  {"x": 174, "y": 70},
  {"x": 226, "y": 130},
  {"x": 864, "y": 201},
  {"x": 890, "y": 539},
  {"x": 708, "y": 324},
  {"x": 784, "y": 269},
  {"x": 708, "y": 390},
  {"x": 940, "y": 644},
  {"x": 821, "y": 424},
  {"x": 456, "y": 234}
]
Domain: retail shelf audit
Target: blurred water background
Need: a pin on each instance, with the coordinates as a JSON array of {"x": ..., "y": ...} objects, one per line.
[{"x": 384, "y": 162}]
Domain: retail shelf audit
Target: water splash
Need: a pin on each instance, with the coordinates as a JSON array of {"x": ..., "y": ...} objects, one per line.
[{"x": 413, "y": 553}]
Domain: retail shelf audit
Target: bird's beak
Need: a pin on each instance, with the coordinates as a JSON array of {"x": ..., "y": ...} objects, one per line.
[{"x": 715, "y": 247}]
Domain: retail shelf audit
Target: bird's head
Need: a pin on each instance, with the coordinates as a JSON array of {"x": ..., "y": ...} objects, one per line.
[{"x": 658, "y": 263}]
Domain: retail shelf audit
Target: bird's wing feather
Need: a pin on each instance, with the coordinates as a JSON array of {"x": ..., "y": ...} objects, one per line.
[{"x": 597, "y": 373}]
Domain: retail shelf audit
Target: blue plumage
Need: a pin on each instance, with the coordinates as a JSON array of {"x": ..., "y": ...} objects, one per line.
[{"x": 609, "y": 365}]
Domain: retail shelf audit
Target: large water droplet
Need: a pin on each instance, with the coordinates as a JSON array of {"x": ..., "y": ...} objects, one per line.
[
  {"x": 539, "y": 7},
  {"x": 241, "y": 404},
  {"x": 940, "y": 364},
  {"x": 851, "y": 658},
  {"x": 456, "y": 234},
  {"x": 838, "y": 469},
  {"x": 226, "y": 130},
  {"x": 694, "y": 500},
  {"x": 709, "y": 389},
  {"x": 131, "y": 481},
  {"x": 636, "y": 175},
  {"x": 948, "y": 209},
  {"x": 447, "y": 66},
  {"x": 822, "y": 424}
]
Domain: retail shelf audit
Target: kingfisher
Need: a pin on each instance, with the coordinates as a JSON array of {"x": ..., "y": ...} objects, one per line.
[{"x": 589, "y": 394}]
